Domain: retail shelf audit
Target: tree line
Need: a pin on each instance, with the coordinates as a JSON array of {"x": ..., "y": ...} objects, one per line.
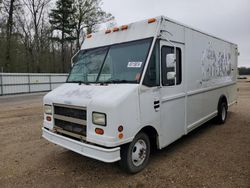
[
  {"x": 244, "y": 71},
  {"x": 42, "y": 35}
]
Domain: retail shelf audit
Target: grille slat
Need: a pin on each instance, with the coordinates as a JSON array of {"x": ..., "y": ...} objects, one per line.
[
  {"x": 70, "y": 119},
  {"x": 71, "y": 127},
  {"x": 70, "y": 112}
]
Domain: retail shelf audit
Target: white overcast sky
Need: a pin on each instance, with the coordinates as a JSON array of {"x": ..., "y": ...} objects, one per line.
[{"x": 227, "y": 19}]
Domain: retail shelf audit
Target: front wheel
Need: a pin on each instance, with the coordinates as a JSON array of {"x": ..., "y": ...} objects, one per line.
[{"x": 135, "y": 156}]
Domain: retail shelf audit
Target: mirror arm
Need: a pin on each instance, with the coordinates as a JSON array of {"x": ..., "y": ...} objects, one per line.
[{"x": 71, "y": 60}]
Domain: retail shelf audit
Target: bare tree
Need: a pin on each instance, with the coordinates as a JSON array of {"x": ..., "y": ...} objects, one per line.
[
  {"x": 36, "y": 9},
  {"x": 88, "y": 15},
  {"x": 25, "y": 28}
]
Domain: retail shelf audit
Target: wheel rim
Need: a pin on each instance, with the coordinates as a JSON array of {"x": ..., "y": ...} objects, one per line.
[
  {"x": 139, "y": 152},
  {"x": 223, "y": 113}
]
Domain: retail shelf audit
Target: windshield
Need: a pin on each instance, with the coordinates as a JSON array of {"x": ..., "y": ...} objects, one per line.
[{"x": 121, "y": 63}]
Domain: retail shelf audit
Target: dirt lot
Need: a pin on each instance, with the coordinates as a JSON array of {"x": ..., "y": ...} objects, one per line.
[{"x": 211, "y": 156}]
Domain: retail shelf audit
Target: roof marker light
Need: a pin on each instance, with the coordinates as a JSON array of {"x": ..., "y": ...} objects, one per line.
[
  {"x": 151, "y": 20},
  {"x": 124, "y": 27},
  {"x": 107, "y": 31},
  {"x": 115, "y": 29},
  {"x": 89, "y": 36}
]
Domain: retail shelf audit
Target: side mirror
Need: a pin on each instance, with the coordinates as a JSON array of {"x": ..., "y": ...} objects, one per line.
[
  {"x": 171, "y": 75},
  {"x": 170, "y": 60}
]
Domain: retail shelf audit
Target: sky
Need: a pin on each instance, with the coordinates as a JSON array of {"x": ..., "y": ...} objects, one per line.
[{"x": 227, "y": 19}]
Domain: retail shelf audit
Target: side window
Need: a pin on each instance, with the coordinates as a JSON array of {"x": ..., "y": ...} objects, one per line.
[
  {"x": 152, "y": 76},
  {"x": 166, "y": 71}
]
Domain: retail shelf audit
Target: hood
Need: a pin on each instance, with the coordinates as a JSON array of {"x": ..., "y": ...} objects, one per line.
[{"x": 82, "y": 95}]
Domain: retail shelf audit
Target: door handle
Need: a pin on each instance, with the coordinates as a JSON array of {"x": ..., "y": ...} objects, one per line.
[{"x": 157, "y": 105}]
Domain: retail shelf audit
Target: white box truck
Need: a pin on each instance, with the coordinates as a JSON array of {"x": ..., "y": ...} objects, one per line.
[{"x": 139, "y": 86}]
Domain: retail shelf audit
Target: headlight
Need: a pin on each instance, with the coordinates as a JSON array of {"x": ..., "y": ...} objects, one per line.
[
  {"x": 47, "y": 109},
  {"x": 99, "y": 118}
]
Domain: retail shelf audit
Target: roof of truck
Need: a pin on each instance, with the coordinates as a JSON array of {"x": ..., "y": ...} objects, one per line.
[
  {"x": 195, "y": 29},
  {"x": 133, "y": 31},
  {"x": 130, "y": 32}
]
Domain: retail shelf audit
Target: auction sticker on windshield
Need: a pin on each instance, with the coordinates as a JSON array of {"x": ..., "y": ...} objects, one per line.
[{"x": 135, "y": 64}]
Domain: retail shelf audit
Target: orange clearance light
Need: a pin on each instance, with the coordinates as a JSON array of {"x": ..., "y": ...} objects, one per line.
[
  {"x": 107, "y": 31},
  {"x": 124, "y": 27},
  {"x": 120, "y": 135},
  {"x": 115, "y": 29},
  {"x": 89, "y": 36},
  {"x": 99, "y": 131},
  {"x": 120, "y": 128},
  {"x": 151, "y": 20},
  {"x": 48, "y": 118}
]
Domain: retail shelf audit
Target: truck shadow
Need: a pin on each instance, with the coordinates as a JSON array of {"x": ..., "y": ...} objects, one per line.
[{"x": 192, "y": 136}]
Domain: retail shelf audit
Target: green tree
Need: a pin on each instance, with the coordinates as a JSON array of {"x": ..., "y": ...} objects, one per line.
[
  {"x": 244, "y": 71},
  {"x": 63, "y": 24}
]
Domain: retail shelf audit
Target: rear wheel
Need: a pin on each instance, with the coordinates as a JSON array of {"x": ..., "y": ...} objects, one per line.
[
  {"x": 222, "y": 113},
  {"x": 135, "y": 156}
]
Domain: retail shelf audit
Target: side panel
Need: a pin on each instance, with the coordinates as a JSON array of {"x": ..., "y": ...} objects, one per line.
[
  {"x": 209, "y": 68},
  {"x": 211, "y": 72}
]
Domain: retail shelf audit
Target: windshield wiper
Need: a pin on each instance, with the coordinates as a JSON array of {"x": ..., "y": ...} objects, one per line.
[
  {"x": 117, "y": 81},
  {"x": 80, "y": 82}
]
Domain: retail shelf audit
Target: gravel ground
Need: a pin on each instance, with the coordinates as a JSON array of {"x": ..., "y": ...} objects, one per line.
[{"x": 211, "y": 156}]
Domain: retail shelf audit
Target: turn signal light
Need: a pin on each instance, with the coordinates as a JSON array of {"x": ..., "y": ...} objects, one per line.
[
  {"x": 120, "y": 136},
  {"x": 151, "y": 20},
  {"x": 89, "y": 36},
  {"x": 99, "y": 131},
  {"x": 124, "y": 27},
  {"x": 107, "y": 31},
  {"x": 48, "y": 118},
  {"x": 115, "y": 29}
]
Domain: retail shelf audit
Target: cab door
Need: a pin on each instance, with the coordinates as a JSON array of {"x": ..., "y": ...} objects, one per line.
[
  {"x": 172, "y": 93},
  {"x": 149, "y": 92}
]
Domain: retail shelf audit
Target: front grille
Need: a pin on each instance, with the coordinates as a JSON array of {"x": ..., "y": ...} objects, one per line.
[
  {"x": 71, "y": 127},
  {"x": 70, "y": 112},
  {"x": 70, "y": 120}
]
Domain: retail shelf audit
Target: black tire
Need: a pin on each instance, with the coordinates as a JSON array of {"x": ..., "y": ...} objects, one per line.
[
  {"x": 134, "y": 166},
  {"x": 222, "y": 113}
]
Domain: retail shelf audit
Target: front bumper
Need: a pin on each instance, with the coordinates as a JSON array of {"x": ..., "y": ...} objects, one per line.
[{"x": 95, "y": 152}]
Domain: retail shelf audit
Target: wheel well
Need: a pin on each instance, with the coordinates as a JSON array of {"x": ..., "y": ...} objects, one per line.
[
  {"x": 152, "y": 134},
  {"x": 223, "y": 98}
]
